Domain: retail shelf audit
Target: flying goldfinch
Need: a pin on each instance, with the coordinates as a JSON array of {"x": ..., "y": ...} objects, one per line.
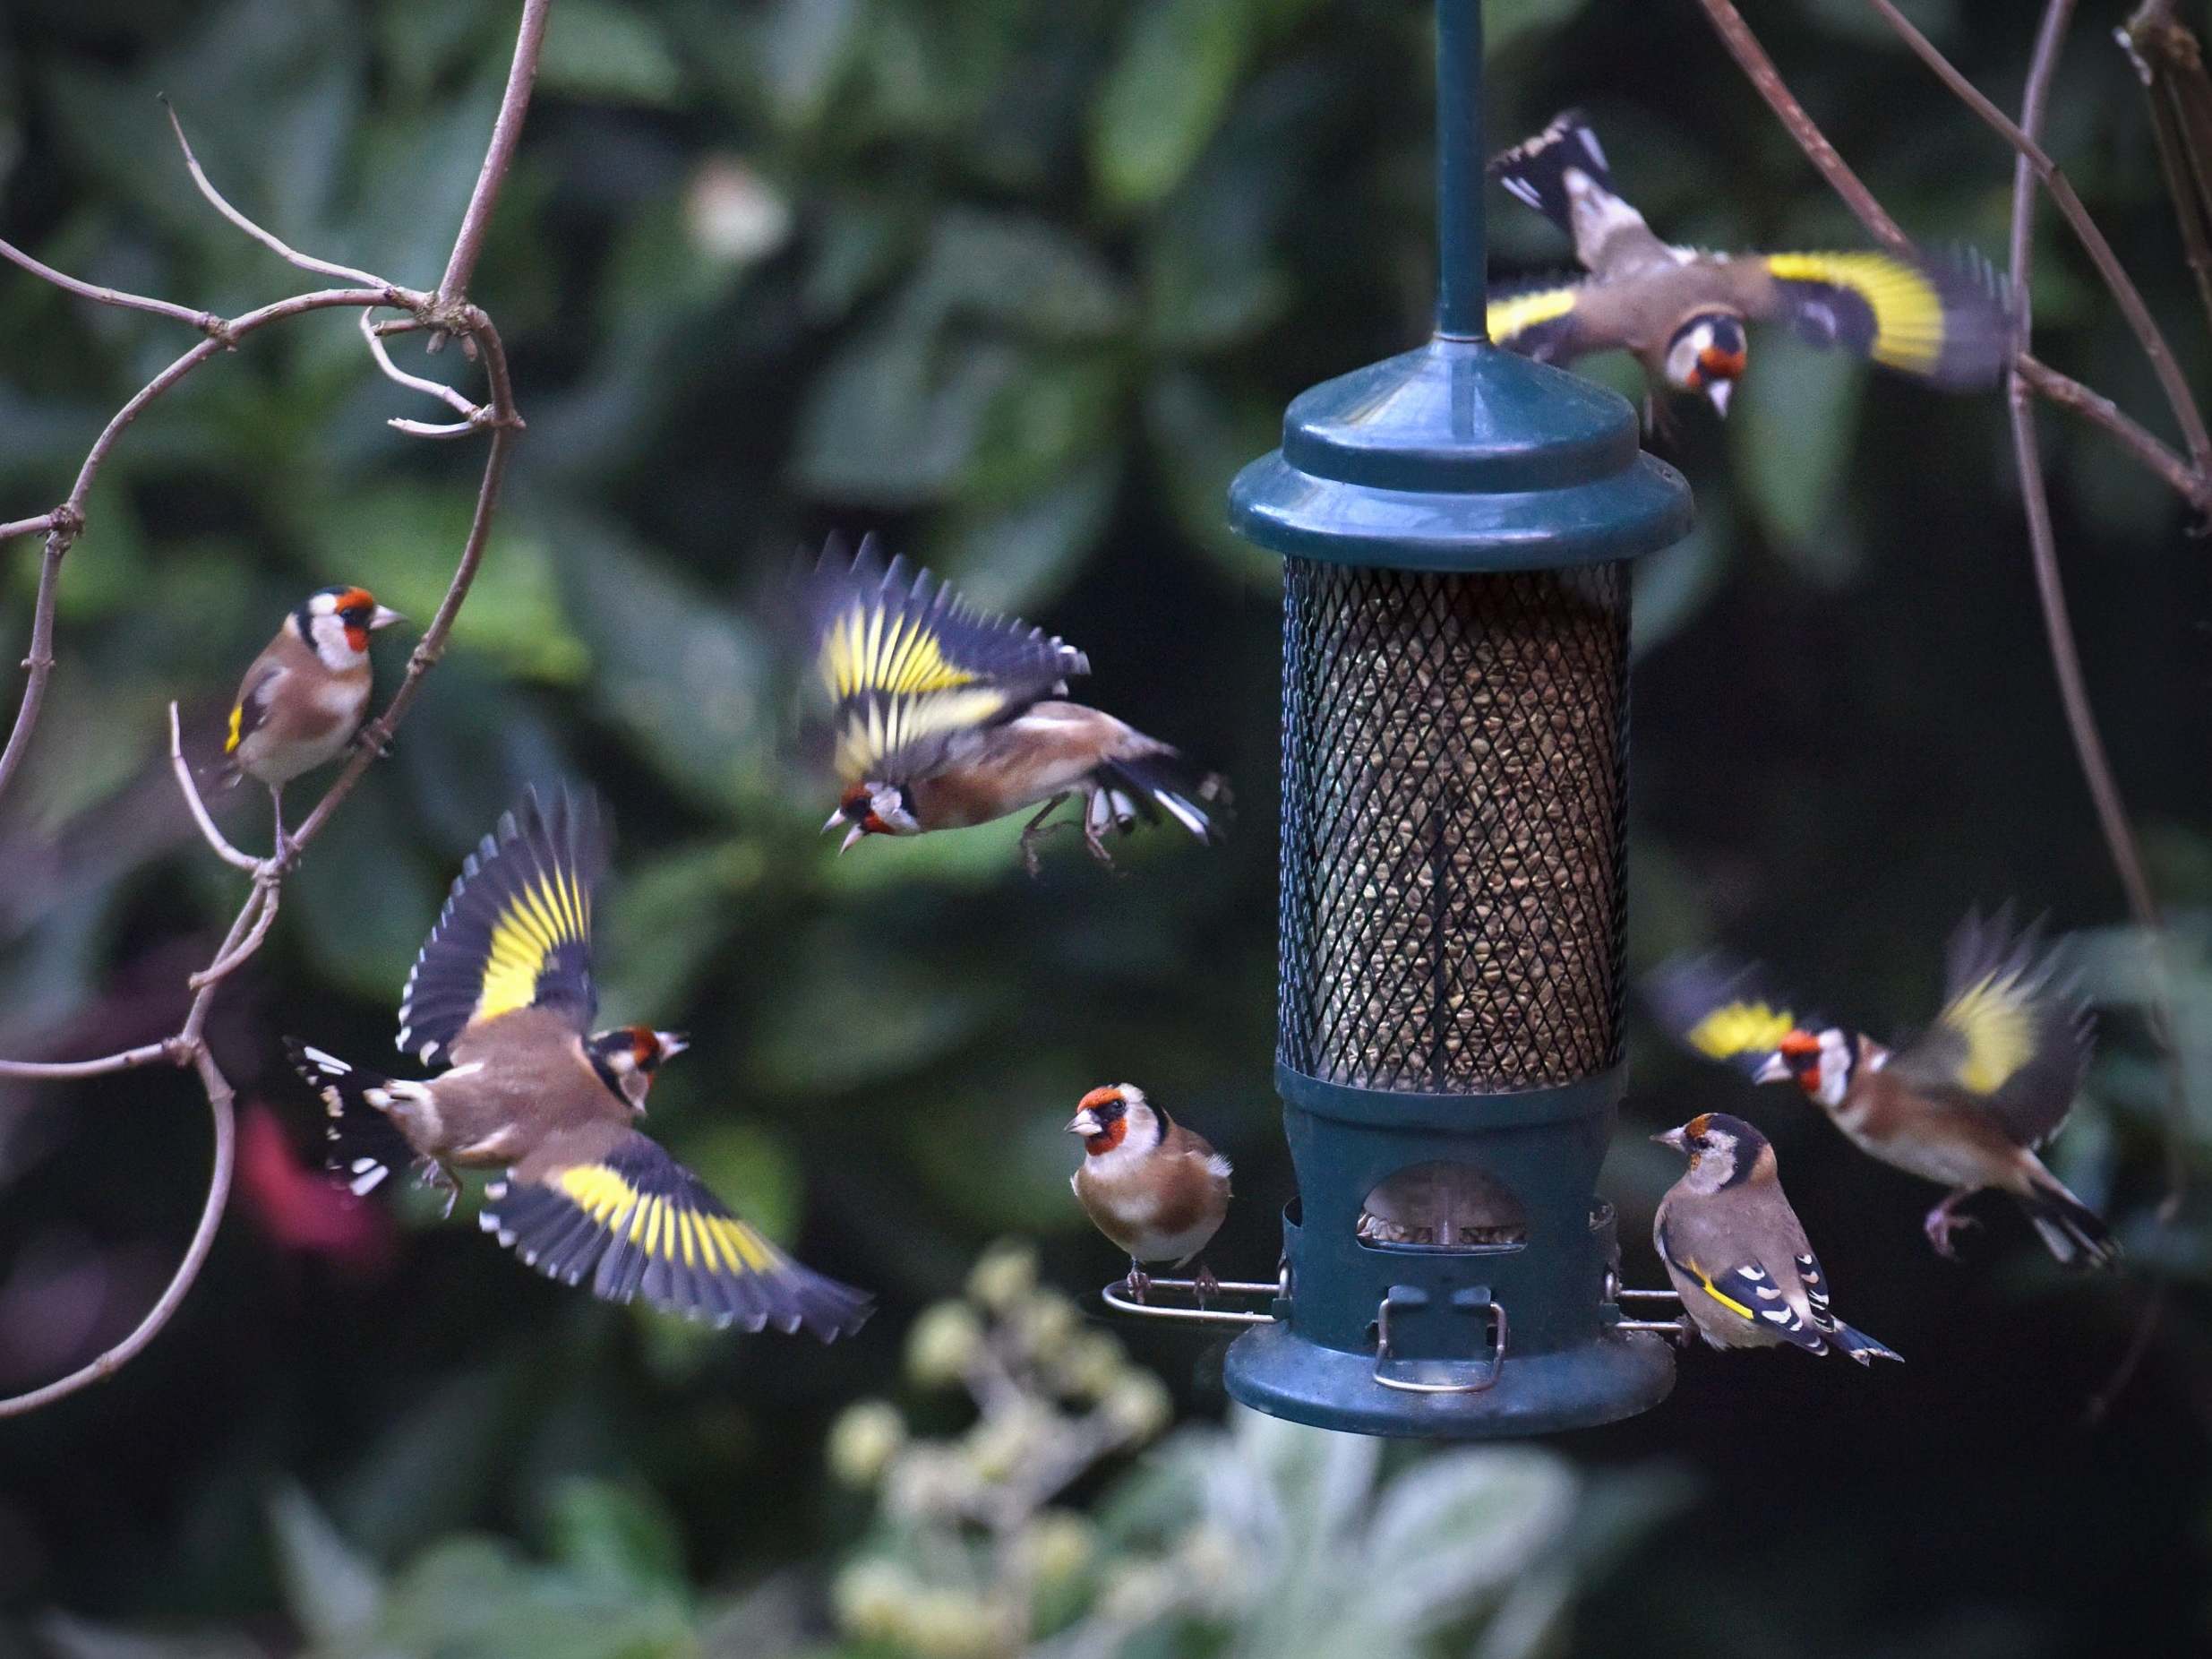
[
  {"x": 1681, "y": 312},
  {"x": 502, "y": 996},
  {"x": 1736, "y": 1252},
  {"x": 1964, "y": 1104},
  {"x": 945, "y": 718},
  {"x": 1154, "y": 1188},
  {"x": 306, "y": 694}
]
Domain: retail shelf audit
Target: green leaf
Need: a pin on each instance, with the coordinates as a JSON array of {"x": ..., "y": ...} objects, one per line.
[
  {"x": 1165, "y": 95},
  {"x": 1017, "y": 555},
  {"x": 330, "y": 1589},
  {"x": 1793, "y": 433},
  {"x": 608, "y": 54},
  {"x": 616, "y": 1535},
  {"x": 402, "y": 541},
  {"x": 1461, "y": 1526}
]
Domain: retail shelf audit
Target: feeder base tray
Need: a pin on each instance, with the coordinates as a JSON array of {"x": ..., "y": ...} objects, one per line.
[{"x": 1273, "y": 1371}]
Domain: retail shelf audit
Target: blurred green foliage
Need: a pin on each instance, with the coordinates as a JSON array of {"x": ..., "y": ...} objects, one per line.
[{"x": 1020, "y": 285}]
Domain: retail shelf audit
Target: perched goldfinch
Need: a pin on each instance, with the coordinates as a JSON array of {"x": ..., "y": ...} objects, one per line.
[
  {"x": 1156, "y": 1189},
  {"x": 502, "y": 995},
  {"x": 1965, "y": 1105},
  {"x": 1736, "y": 1252},
  {"x": 945, "y": 718},
  {"x": 306, "y": 694},
  {"x": 1682, "y": 311}
]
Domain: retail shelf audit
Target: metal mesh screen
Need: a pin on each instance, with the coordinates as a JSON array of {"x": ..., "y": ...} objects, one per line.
[{"x": 1454, "y": 784}]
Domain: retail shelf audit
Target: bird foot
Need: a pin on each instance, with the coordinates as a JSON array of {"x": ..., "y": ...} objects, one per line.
[
  {"x": 364, "y": 739},
  {"x": 438, "y": 1178},
  {"x": 1204, "y": 1285},
  {"x": 1097, "y": 845},
  {"x": 1942, "y": 1223},
  {"x": 1137, "y": 1283}
]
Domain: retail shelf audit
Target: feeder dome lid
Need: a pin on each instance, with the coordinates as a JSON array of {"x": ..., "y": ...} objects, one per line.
[{"x": 1460, "y": 455}]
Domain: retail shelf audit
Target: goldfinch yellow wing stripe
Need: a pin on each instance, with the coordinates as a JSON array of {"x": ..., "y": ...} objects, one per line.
[
  {"x": 1718, "y": 1009},
  {"x": 637, "y": 1223},
  {"x": 2013, "y": 1032},
  {"x": 1537, "y": 323},
  {"x": 517, "y": 931},
  {"x": 1950, "y": 321},
  {"x": 907, "y": 664}
]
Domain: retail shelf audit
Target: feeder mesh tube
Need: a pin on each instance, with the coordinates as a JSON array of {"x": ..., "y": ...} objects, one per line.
[{"x": 1454, "y": 786}]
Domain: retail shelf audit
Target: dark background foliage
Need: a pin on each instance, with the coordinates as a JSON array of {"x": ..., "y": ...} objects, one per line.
[{"x": 1019, "y": 285}]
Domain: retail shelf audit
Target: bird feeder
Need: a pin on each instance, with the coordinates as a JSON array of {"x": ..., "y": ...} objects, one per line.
[{"x": 1456, "y": 526}]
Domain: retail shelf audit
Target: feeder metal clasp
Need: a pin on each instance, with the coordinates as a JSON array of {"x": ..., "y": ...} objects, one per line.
[{"x": 1408, "y": 1378}]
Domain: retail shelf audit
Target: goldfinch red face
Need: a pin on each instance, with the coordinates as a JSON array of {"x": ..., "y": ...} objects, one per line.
[
  {"x": 1109, "y": 1119},
  {"x": 1708, "y": 354},
  {"x": 337, "y": 623},
  {"x": 627, "y": 1057},
  {"x": 1820, "y": 1062},
  {"x": 873, "y": 809}
]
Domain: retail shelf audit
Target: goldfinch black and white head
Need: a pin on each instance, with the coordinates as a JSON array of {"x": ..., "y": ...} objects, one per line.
[{"x": 337, "y": 623}]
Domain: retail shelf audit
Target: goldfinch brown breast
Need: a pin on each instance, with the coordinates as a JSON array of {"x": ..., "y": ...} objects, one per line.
[
  {"x": 1154, "y": 1188},
  {"x": 945, "y": 718},
  {"x": 1682, "y": 311},
  {"x": 1965, "y": 1105},
  {"x": 307, "y": 693},
  {"x": 1736, "y": 1252},
  {"x": 502, "y": 995}
]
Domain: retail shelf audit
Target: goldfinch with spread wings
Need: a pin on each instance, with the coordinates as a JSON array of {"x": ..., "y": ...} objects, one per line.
[
  {"x": 945, "y": 718},
  {"x": 502, "y": 996},
  {"x": 1736, "y": 1252},
  {"x": 306, "y": 694},
  {"x": 1965, "y": 1105},
  {"x": 1682, "y": 311}
]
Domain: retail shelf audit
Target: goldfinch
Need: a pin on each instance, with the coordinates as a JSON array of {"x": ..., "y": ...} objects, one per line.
[
  {"x": 1157, "y": 1190},
  {"x": 502, "y": 995},
  {"x": 1736, "y": 1252},
  {"x": 1682, "y": 311},
  {"x": 1965, "y": 1105},
  {"x": 307, "y": 692},
  {"x": 945, "y": 718}
]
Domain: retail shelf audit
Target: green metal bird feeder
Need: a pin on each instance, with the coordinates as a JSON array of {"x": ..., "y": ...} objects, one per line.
[{"x": 1455, "y": 526}]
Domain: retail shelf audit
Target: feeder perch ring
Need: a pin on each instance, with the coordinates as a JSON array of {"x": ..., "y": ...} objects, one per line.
[
  {"x": 1411, "y": 1385},
  {"x": 1116, "y": 1297}
]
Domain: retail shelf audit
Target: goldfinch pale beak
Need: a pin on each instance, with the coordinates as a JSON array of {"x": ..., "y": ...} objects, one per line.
[
  {"x": 672, "y": 1042},
  {"x": 1775, "y": 1071},
  {"x": 856, "y": 833},
  {"x": 1672, "y": 1138},
  {"x": 1719, "y": 391},
  {"x": 383, "y": 617},
  {"x": 1085, "y": 1122}
]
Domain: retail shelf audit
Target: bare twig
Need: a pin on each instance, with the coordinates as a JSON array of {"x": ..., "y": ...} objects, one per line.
[
  {"x": 57, "y": 1071},
  {"x": 2171, "y": 381},
  {"x": 2068, "y": 394},
  {"x": 206, "y": 322},
  {"x": 416, "y": 382},
  {"x": 448, "y": 311},
  {"x": 2169, "y": 60},
  {"x": 268, "y": 239},
  {"x": 39, "y": 665},
  {"x": 215, "y": 838},
  {"x": 499, "y": 155},
  {"x": 1752, "y": 58}
]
